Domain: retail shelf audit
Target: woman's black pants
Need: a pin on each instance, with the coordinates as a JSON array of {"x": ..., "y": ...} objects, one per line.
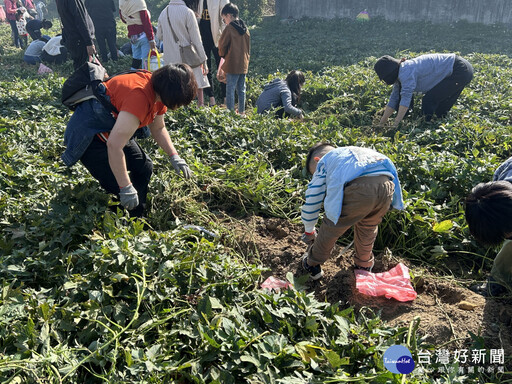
[
  {"x": 139, "y": 165},
  {"x": 440, "y": 99}
]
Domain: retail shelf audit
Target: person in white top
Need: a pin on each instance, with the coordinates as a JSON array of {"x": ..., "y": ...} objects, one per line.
[
  {"x": 54, "y": 51},
  {"x": 179, "y": 19}
]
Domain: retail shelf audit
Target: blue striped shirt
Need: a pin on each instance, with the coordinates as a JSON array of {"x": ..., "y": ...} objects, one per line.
[{"x": 334, "y": 170}]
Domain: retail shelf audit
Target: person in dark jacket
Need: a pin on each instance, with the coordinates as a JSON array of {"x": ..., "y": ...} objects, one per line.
[
  {"x": 77, "y": 30},
  {"x": 34, "y": 27},
  {"x": 102, "y": 15},
  {"x": 211, "y": 27},
  {"x": 283, "y": 95}
]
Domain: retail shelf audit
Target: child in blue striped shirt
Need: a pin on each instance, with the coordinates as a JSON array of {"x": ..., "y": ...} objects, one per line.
[{"x": 356, "y": 187}]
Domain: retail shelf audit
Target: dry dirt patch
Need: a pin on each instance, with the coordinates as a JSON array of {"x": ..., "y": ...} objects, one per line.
[{"x": 443, "y": 304}]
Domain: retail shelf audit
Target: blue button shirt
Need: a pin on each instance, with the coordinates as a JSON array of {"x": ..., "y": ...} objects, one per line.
[{"x": 420, "y": 74}]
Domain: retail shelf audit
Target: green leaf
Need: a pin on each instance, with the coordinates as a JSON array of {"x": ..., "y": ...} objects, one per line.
[
  {"x": 443, "y": 226},
  {"x": 251, "y": 359}
]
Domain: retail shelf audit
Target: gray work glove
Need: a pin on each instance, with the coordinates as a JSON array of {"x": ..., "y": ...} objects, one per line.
[
  {"x": 181, "y": 166},
  {"x": 309, "y": 238},
  {"x": 129, "y": 197}
]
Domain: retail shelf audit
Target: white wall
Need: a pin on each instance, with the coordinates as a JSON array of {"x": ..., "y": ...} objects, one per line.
[{"x": 437, "y": 11}]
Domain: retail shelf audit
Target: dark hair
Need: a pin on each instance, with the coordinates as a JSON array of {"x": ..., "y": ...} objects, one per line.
[
  {"x": 489, "y": 212},
  {"x": 387, "y": 69},
  {"x": 295, "y": 81},
  {"x": 314, "y": 149},
  {"x": 46, "y": 24},
  {"x": 175, "y": 84},
  {"x": 230, "y": 9},
  {"x": 19, "y": 13},
  {"x": 192, "y": 4}
]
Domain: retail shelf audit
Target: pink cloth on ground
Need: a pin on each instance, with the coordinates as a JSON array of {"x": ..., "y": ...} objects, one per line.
[
  {"x": 394, "y": 283},
  {"x": 273, "y": 283}
]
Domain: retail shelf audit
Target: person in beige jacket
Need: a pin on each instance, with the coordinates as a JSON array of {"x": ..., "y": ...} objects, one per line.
[
  {"x": 184, "y": 24},
  {"x": 235, "y": 48}
]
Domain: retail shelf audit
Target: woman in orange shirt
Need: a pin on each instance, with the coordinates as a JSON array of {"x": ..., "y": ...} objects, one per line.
[{"x": 103, "y": 140}]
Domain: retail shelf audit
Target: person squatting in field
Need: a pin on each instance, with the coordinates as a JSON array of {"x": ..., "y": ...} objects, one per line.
[
  {"x": 357, "y": 187},
  {"x": 440, "y": 76},
  {"x": 103, "y": 141},
  {"x": 283, "y": 95},
  {"x": 488, "y": 214}
]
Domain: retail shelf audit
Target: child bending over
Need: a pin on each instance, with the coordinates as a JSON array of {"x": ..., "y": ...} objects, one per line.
[{"x": 356, "y": 186}]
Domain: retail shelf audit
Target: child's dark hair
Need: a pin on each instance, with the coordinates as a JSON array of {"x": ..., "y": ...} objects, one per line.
[
  {"x": 295, "y": 81},
  {"x": 314, "y": 149},
  {"x": 175, "y": 84},
  {"x": 230, "y": 9},
  {"x": 46, "y": 24},
  {"x": 489, "y": 212},
  {"x": 19, "y": 13}
]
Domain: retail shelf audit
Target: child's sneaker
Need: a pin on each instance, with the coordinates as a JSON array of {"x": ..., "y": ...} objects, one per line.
[{"x": 315, "y": 272}]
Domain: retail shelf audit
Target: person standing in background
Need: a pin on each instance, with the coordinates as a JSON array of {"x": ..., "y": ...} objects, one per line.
[
  {"x": 77, "y": 30},
  {"x": 135, "y": 14},
  {"x": 178, "y": 19},
  {"x": 235, "y": 48},
  {"x": 102, "y": 15},
  {"x": 21, "y": 24},
  {"x": 10, "y": 12},
  {"x": 31, "y": 9},
  {"x": 41, "y": 9},
  {"x": 211, "y": 27}
]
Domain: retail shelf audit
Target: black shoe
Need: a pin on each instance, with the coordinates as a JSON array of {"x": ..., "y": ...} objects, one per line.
[
  {"x": 315, "y": 272},
  {"x": 491, "y": 288}
]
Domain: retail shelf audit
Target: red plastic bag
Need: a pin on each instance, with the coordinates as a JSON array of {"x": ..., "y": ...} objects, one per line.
[
  {"x": 273, "y": 283},
  {"x": 394, "y": 283}
]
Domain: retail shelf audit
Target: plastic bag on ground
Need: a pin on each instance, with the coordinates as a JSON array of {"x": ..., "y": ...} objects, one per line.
[
  {"x": 394, "y": 283},
  {"x": 43, "y": 69},
  {"x": 273, "y": 283}
]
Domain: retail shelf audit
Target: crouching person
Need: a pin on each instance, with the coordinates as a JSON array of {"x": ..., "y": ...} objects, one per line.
[
  {"x": 103, "y": 141},
  {"x": 488, "y": 214},
  {"x": 356, "y": 186}
]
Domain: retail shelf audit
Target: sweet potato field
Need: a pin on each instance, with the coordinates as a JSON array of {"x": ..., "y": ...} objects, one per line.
[{"x": 90, "y": 296}]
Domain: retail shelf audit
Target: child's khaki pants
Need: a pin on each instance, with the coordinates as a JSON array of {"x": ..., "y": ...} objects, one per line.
[{"x": 366, "y": 200}]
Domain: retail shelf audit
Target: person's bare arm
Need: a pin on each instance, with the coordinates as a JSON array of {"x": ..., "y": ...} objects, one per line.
[{"x": 124, "y": 128}]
